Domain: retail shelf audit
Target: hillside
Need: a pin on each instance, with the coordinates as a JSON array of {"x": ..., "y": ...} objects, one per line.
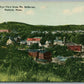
[{"x": 22, "y": 26}]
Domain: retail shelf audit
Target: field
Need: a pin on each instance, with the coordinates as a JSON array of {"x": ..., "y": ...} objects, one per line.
[{"x": 22, "y": 75}]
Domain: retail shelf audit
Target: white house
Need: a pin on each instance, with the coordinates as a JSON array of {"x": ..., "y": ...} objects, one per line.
[
  {"x": 58, "y": 42},
  {"x": 31, "y": 41},
  {"x": 9, "y": 41},
  {"x": 22, "y": 42}
]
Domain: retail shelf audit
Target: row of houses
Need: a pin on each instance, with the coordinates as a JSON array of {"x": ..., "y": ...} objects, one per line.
[
  {"x": 58, "y": 31},
  {"x": 44, "y": 55},
  {"x": 31, "y": 41},
  {"x": 72, "y": 46},
  {"x": 12, "y": 40},
  {"x": 76, "y": 31}
]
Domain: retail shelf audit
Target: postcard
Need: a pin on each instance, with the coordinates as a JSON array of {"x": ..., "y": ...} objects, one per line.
[{"x": 42, "y": 41}]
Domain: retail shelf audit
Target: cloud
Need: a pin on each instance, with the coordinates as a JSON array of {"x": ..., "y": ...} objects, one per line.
[
  {"x": 79, "y": 9},
  {"x": 67, "y": 11},
  {"x": 30, "y": 12},
  {"x": 43, "y": 7}
]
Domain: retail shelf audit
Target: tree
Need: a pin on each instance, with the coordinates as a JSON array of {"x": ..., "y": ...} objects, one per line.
[
  {"x": 74, "y": 70},
  {"x": 42, "y": 41},
  {"x": 34, "y": 46}
]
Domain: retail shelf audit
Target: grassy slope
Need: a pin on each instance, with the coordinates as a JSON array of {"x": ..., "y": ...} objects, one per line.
[
  {"x": 18, "y": 25},
  {"x": 23, "y": 76}
]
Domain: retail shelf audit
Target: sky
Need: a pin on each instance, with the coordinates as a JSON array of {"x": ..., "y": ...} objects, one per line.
[{"x": 44, "y": 13}]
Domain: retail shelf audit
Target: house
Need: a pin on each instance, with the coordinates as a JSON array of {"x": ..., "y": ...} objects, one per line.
[
  {"x": 32, "y": 32},
  {"x": 74, "y": 47},
  {"x": 76, "y": 31},
  {"x": 53, "y": 32},
  {"x": 31, "y": 41},
  {"x": 4, "y": 30},
  {"x": 40, "y": 55},
  {"x": 47, "y": 44},
  {"x": 44, "y": 55},
  {"x": 58, "y": 31},
  {"x": 12, "y": 40},
  {"x": 45, "y": 32},
  {"x": 34, "y": 53},
  {"x": 17, "y": 38},
  {"x": 59, "y": 59},
  {"x": 9, "y": 41},
  {"x": 58, "y": 42},
  {"x": 23, "y": 42},
  {"x": 69, "y": 31}
]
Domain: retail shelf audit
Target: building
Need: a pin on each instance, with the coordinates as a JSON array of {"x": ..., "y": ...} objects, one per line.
[
  {"x": 31, "y": 41},
  {"x": 17, "y": 39},
  {"x": 83, "y": 48},
  {"x": 9, "y": 41},
  {"x": 4, "y": 30},
  {"x": 44, "y": 55},
  {"x": 74, "y": 47},
  {"x": 23, "y": 42},
  {"x": 33, "y": 53},
  {"x": 58, "y": 42},
  {"x": 35, "y": 32},
  {"x": 40, "y": 55},
  {"x": 47, "y": 44},
  {"x": 59, "y": 59}
]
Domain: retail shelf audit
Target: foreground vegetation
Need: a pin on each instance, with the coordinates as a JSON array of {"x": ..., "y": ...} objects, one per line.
[{"x": 18, "y": 66}]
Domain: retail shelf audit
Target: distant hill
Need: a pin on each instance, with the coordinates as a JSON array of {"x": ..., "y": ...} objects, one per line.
[{"x": 27, "y": 27}]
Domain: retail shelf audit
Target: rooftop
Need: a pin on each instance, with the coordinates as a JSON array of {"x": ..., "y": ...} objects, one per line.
[
  {"x": 72, "y": 44},
  {"x": 33, "y": 39},
  {"x": 36, "y": 50}
]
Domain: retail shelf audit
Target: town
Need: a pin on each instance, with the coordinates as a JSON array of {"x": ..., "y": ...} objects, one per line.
[
  {"x": 52, "y": 51},
  {"x": 40, "y": 53}
]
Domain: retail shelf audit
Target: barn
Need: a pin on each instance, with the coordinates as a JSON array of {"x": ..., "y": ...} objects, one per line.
[{"x": 76, "y": 48}]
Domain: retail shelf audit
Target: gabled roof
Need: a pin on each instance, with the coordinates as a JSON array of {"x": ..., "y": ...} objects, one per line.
[
  {"x": 72, "y": 44},
  {"x": 33, "y": 39},
  {"x": 36, "y": 50},
  {"x": 43, "y": 51},
  {"x": 11, "y": 38},
  {"x": 33, "y": 50},
  {"x": 57, "y": 40}
]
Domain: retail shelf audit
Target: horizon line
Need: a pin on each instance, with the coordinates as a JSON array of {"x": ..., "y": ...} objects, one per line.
[{"x": 40, "y": 24}]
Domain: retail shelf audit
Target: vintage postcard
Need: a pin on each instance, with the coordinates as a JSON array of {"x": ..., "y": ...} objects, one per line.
[{"x": 42, "y": 41}]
